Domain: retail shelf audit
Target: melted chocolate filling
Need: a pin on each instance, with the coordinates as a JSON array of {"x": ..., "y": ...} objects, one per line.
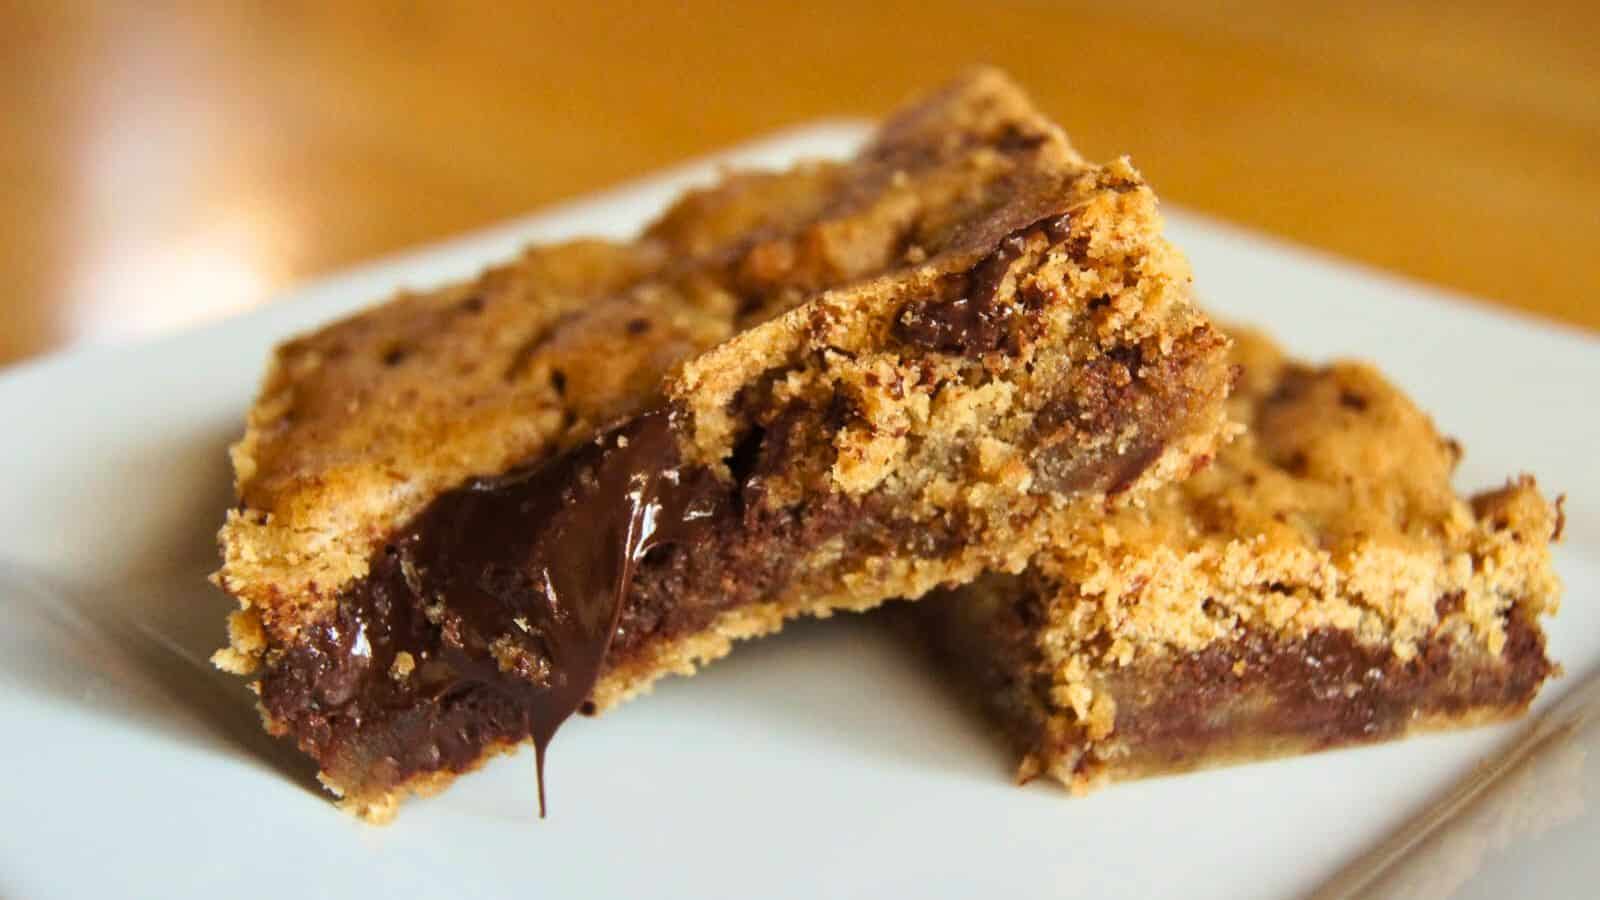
[{"x": 495, "y": 607}]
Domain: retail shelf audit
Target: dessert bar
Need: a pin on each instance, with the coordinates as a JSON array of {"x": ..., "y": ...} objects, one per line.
[
  {"x": 1319, "y": 585},
  {"x": 469, "y": 512}
]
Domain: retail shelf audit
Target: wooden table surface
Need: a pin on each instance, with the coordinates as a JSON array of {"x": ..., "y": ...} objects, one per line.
[{"x": 168, "y": 163}]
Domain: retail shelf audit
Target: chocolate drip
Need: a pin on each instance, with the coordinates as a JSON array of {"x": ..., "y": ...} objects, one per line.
[
  {"x": 496, "y": 605},
  {"x": 974, "y": 321}
]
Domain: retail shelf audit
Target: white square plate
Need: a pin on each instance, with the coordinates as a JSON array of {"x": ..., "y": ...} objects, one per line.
[{"x": 824, "y": 762}]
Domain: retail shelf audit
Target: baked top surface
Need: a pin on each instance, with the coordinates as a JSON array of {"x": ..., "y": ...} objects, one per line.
[{"x": 359, "y": 424}]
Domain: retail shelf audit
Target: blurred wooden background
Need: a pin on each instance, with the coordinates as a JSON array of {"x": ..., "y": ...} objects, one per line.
[{"x": 165, "y": 163}]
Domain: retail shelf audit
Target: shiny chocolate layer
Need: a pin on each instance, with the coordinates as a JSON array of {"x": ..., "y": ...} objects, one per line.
[{"x": 494, "y": 608}]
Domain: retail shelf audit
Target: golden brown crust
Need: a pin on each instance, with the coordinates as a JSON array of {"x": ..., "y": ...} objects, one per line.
[
  {"x": 767, "y": 293},
  {"x": 1330, "y": 521}
]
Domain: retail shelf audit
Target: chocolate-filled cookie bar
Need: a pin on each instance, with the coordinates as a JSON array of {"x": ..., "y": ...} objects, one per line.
[
  {"x": 467, "y": 513},
  {"x": 1319, "y": 585}
]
